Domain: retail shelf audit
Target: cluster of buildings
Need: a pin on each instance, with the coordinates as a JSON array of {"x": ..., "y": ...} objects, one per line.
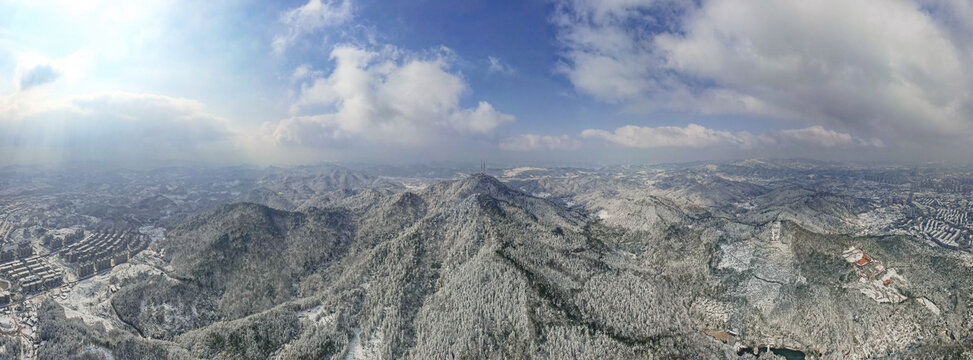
[
  {"x": 943, "y": 219},
  {"x": 955, "y": 216},
  {"x": 33, "y": 274},
  {"x": 12, "y": 217},
  {"x": 960, "y": 185},
  {"x": 56, "y": 242},
  {"x": 942, "y": 233},
  {"x": 866, "y": 266},
  {"x": 102, "y": 250},
  {"x": 10, "y": 251},
  {"x": 876, "y": 280},
  {"x": 885, "y": 177},
  {"x": 24, "y": 272}
]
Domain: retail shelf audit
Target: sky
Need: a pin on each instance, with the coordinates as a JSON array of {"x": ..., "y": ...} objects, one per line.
[{"x": 169, "y": 82}]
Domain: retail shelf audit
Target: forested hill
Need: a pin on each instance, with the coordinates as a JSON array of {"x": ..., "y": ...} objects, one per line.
[
  {"x": 473, "y": 268},
  {"x": 468, "y": 267}
]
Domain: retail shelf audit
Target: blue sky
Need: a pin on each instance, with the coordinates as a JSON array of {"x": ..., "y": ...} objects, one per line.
[{"x": 164, "y": 82}]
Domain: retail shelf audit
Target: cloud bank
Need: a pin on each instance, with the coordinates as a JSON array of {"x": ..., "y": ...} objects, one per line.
[
  {"x": 886, "y": 68},
  {"x": 697, "y": 136}
]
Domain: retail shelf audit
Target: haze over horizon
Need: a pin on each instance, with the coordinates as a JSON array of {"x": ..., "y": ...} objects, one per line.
[{"x": 159, "y": 83}]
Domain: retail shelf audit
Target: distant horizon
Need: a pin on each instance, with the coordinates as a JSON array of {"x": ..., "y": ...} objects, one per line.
[{"x": 474, "y": 166}]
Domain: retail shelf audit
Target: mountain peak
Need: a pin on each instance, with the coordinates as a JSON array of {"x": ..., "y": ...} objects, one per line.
[
  {"x": 480, "y": 184},
  {"x": 484, "y": 180}
]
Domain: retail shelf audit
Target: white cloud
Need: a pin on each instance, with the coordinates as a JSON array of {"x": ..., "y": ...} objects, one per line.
[
  {"x": 497, "y": 66},
  {"x": 386, "y": 96},
  {"x": 888, "y": 68},
  {"x": 481, "y": 120},
  {"x": 310, "y": 17},
  {"x": 698, "y": 136},
  {"x": 605, "y": 58},
  {"x": 528, "y": 142},
  {"x": 304, "y": 72}
]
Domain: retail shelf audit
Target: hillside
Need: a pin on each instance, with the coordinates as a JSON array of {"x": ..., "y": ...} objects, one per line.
[
  {"x": 529, "y": 277},
  {"x": 474, "y": 268}
]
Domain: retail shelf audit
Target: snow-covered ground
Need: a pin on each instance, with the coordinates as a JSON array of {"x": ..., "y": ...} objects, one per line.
[
  {"x": 90, "y": 299},
  {"x": 879, "y": 221},
  {"x": 517, "y": 171},
  {"x": 371, "y": 349},
  {"x": 929, "y": 305},
  {"x": 153, "y": 233}
]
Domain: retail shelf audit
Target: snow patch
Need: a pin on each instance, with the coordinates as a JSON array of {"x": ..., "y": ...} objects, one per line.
[
  {"x": 877, "y": 290},
  {"x": 94, "y": 349},
  {"x": 736, "y": 256},
  {"x": 930, "y": 305},
  {"x": 357, "y": 351},
  {"x": 603, "y": 214},
  {"x": 153, "y": 233},
  {"x": 775, "y": 231},
  {"x": 517, "y": 171},
  {"x": 762, "y": 294},
  {"x": 713, "y": 310}
]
